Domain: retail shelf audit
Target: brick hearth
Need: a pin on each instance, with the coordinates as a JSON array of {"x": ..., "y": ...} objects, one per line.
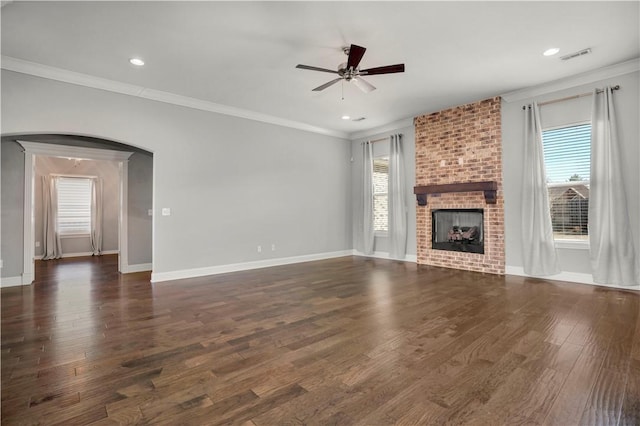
[{"x": 468, "y": 134}]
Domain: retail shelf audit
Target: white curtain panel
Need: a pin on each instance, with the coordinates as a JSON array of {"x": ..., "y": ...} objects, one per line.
[
  {"x": 538, "y": 249},
  {"x": 367, "y": 192},
  {"x": 51, "y": 244},
  {"x": 613, "y": 259},
  {"x": 96, "y": 216},
  {"x": 397, "y": 200}
]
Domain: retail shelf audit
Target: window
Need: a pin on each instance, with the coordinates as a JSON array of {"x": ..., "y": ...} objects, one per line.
[
  {"x": 567, "y": 158},
  {"x": 381, "y": 194},
  {"x": 74, "y": 205}
]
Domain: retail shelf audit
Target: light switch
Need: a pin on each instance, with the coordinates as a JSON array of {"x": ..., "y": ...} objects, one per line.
[
  {"x": 166, "y": 211},
  {"x": 150, "y": 212}
]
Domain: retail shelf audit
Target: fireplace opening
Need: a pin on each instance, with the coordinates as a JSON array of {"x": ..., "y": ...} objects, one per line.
[{"x": 458, "y": 230}]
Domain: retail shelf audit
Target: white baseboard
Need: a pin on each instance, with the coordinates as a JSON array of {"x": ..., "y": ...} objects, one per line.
[
  {"x": 140, "y": 267},
  {"x": 384, "y": 255},
  {"x": 235, "y": 267},
  {"x": 10, "y": 281},
  {"x": 82, "y": 254},
  {"x": 574, "y": 277}
]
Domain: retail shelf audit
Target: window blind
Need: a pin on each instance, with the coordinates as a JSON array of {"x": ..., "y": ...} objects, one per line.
[
  {"x": 380, "y": 194},
  {"x": 567, "y": 153},
  {"x": 74, "y": 205},
  {"x": 567, "y": 159}
]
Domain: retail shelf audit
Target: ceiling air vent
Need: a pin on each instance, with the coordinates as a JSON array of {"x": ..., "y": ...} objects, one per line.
[{"x": 576, "y": 54}]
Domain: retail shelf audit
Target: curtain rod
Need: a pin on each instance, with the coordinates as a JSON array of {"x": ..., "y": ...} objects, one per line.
[
  {"x": 72, "y": 176},
  {"x": 553, "y": 101},
  {"x": 378, "y": 140}
]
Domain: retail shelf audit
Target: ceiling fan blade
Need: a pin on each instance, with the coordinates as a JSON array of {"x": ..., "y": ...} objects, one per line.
[
  {"x": 388, "y": 69},
  {"x": 355, "y": 56},
  {"x": 324, "y": 86},
  {"x": 363, "y": 85},
  {"x": 308, "y": 67}
]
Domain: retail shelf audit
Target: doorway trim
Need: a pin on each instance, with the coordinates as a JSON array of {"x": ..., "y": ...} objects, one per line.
[{"x": 31, "y": 150}]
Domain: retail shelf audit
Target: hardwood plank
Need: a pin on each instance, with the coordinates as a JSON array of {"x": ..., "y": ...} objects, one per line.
[{"x": 341, "y": 341}]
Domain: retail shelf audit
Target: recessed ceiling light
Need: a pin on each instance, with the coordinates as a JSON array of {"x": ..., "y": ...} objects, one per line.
[
  {"x": 551, "y": 52},
  {"x": 345, "y": 117},
  {"x": 137, "y": 62}
]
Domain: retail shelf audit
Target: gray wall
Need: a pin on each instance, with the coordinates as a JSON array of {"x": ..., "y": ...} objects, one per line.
[
  {"x": 232, "y": 184},
  {"x": 140, "y": 201},
  {"x": 108, "y": 172},
  {"x": 381, "y": 244},
  {"x": 12, "y": 209},
  {"x": 626, "y": 102}
]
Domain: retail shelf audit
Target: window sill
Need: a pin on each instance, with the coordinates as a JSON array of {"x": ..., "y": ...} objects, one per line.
[{"x": 572, "y": 244}]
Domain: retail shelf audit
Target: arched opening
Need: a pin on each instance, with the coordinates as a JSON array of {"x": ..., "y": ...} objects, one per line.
[{"x": 133, "y": 192}]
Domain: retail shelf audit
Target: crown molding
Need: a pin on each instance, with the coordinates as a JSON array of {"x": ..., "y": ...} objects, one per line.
[
  {"x": 58, "y": 74},
  {"x": 573, "y": 81}
]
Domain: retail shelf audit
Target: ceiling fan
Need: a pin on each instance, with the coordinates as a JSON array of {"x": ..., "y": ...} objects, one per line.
[{"x": 350, "y": 71}]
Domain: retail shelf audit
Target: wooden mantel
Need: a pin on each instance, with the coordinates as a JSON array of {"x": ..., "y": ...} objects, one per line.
[{"x": 489, "y": 188}]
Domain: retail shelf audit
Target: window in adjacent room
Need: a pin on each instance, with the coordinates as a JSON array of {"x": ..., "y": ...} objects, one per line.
[
  {"x": 567, "y": 158},
  {"x": 74, "y": 205},
  {"x": 381, "y": 195}
]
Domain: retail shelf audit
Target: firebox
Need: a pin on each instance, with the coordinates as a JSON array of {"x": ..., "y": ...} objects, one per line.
[{"x": 458, "y": 230}]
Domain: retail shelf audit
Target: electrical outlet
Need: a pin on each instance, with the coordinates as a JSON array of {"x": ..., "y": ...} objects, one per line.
[
  {"x": 166, "y": 211},
  {"x": 259, "y": 249},
  {"x": 273, "y": 247},
  {"x": 37, "y": 243}
]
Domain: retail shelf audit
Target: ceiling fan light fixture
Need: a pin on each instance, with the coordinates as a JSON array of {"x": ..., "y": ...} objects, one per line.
[{"x": 136, "y": 61}]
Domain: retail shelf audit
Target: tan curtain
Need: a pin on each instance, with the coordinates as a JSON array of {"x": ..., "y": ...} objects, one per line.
[
  {"x": 367, "y": 189},
  {"x": 96, "y": 216},
  {"x": 613, "y": 256},
  {"x": 51, "y": 246},
  {"x": 538, "y": 249},
  {"x": 397, "y": 203}
]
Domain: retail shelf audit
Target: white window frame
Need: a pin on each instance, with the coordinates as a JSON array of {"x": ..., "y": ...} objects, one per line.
[{"x": 569, "y": 243}]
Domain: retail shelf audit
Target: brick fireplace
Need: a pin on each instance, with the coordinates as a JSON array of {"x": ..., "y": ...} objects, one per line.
[{"x": 459, "y": 166}]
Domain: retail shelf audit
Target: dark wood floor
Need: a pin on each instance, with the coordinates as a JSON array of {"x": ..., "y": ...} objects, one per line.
[{"x": 342, "y": 341}]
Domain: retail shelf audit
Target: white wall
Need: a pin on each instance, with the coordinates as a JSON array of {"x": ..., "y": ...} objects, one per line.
[
  {"x": 626, "y": 102},
  {"x": 108, "y": 171},
  {"x": 381, "y": 243},
  {"x": 231, "y": 183}
]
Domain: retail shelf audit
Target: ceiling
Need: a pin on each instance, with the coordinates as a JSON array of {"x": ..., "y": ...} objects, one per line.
[{"x": 243, "y": 54}]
